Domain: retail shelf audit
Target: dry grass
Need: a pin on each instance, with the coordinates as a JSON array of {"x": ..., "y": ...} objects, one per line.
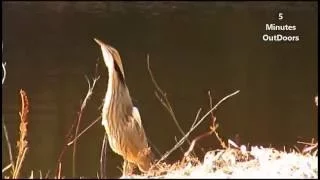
[
  {"x": 259, "y": 162},
  {"x": 22, "y": 143},
  {"x": 232, "y": 161}
]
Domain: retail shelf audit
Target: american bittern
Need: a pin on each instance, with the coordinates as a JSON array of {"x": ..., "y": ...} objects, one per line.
[{"x": 121, "y": 119}]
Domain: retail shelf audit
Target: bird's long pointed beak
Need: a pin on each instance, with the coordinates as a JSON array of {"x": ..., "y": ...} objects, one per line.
[
  {"x": 106, "y": 54},
  {"x": 99, "y": 42},
  {"x": 114, "y": 55}
]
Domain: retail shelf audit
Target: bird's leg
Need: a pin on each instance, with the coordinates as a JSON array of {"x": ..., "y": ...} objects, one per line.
[{"x": 127, "y": 168}]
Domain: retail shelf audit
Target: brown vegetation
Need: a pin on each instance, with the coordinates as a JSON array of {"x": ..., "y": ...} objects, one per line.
[{"x": 231, "y": 161}]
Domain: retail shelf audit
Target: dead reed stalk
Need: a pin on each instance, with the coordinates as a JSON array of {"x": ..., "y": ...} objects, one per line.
[
  {"x": 4, "y": 72},
  {"x": 162, "y": 97},
  {"x": 83, "y": 105},
  {"x": 194, "y": 126},
  {"x": 73, "y": 140},
  {"x": 22, "y": 144},
  {"x": 11, "y": 165}
]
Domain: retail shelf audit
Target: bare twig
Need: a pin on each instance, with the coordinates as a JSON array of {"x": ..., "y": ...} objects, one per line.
[
  {"x": 162, "y": 97},
  {"x": 6, "y": 168},
  {"x": 215, "y": 125},
  {"x": 309, "y": 146},
  {"x": 103, "y": 157},
  {"x": 4, "y": 72},
  {"x": 182, "y": 140},
  {"x": 306, "y": 143},
  {"x": 176, "y": 140},
  {"x": 195, "y": 120},
  {"x": 297, "y": 149},
  {"x": 84, "y": 130},
  {"x": 22, "y": 143},
  {"x": 197, "y": 116},
  {"x": 4, "y": 68},
  {"x": 69, "y": 137},
  {"x": 212, "y": 129},
  {"x": 59, "y": 172},
  {"x": 47, "y": 174},
  {"x": 9, "y": 145},
  {"x": 230, "y": 142},
  {"x": 191, "y": 147},
  {"x": 155, "y": 148},
  {"x": 83, "y": 105},
  {"x": 31, "y": 176},
  {"x": 210, "y": 103},
  {"x": 193, "y": 143},
  {"x": 68, "y": 140}
]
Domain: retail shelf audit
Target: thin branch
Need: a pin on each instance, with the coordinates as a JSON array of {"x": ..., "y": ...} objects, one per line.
[
  {"x": 182, "y": 140},
  {"x": 103, "y": 157},
  {"x": 197, "y": 116},
  {"x": 84, "y": 103},
  {"x": 68, "y": 141},
  {"x": 210, "y": 103},
  {"x": 195, "y": 120},
  {"x": 4, "y": 72},
  {"x": 193, "y": 143},
  {"x": 176, "y": 140},
  {"x": 48, "y": 173},
  {"x": 155, "y": 148},
  {"x": 212, "y": 129},
  {"x": 310, "y": 148},
  {"x": 306, "y": 143},
  {"x": 214, "y": 125},
  {"x": 59, "y": 172},
  {"x": 163, "y": 99},
  {"x": 31, "y": 176},
  {"x": 68, "y": 137},
  {"x": 84, "y": 130},
  {"x": 4, "y": 68},
  {"x": 6, "y": 168},
  {"x": 9, "y": 145}
]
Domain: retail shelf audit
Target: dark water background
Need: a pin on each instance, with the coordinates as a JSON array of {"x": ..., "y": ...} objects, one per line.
[{"x": 193, "y": 47}]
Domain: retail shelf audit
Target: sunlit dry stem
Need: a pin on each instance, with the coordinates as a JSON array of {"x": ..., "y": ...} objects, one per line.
[
  {"x": 4, "y": 72},
  {"x": 215, "y": 126},
  {"x": 306, "y": 143},
  {"x": 59, "y": 172},
  {"x": 193, "y": 143},
  {"x": 22, "y": 143},
  {"x": 230, "y": 142},
  {"x": 84, "y": 130},
  {"x": 103, "y": 157},
  {"x": 4, "y": 69},
  {"x": 210, "y": 103},
  {"x": 197, "y": 116},
  {"x": 47, "y": 174},
  {"x": 163, "y": 99},
  {"x": 182, "y": 140},
  {"x": 6, "y": 168},
  {"x": 9, "y": 145},
  {"x": 84, "y": 103},
  {"x": 31, "y": 175}
]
